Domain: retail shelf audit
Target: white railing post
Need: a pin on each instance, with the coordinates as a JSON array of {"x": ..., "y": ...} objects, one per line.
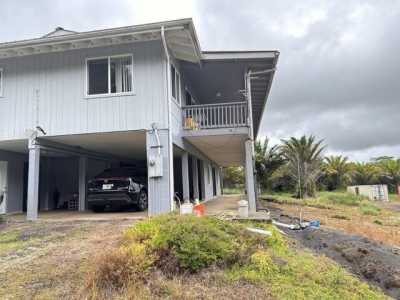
[{"x": 210, "y": 116}]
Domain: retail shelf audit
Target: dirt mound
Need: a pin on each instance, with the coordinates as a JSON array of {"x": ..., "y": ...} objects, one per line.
[
  {"x": 373, "y": 262},
  {"x": 376, "y": 263}
]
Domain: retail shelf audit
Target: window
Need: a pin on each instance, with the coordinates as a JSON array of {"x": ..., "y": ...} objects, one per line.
[
  {"x": 1, "y": 82},
  {"x": 176, "y": 85},
  {"x": 110, "y": 75}
]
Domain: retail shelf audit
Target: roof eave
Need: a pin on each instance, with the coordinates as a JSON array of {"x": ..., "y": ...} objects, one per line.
[{"x": 275, "y": 62}]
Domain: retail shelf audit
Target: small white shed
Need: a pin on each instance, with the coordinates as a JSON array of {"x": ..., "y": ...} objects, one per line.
[{"x": 377, "y": 192}]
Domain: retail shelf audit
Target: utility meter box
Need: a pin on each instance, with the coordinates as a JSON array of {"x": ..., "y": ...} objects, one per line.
[{"x": 155, "y": 166}]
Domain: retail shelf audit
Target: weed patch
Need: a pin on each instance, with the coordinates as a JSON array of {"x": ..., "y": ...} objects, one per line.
[
  {"x": 341, "y": 217},
  {"x": 369, "y": 209}
]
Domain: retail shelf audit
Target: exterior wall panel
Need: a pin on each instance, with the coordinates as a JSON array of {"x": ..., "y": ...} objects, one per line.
[
  {"x": 15, "y": 180},
  {"x": 49, "y": 90}
]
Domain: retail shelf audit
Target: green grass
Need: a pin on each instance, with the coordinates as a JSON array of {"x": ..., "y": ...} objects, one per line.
[
  {"x": 394, "y": 198},
  {"x": 369, "y": 209},
  {"x": 10, "y": 241},
  {"x": 326, "y": 200},
  {"x": 233, "y": 191},
  {"x": 174, "y": 245}
]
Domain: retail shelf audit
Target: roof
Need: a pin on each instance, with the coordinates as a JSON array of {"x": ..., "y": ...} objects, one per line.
[
  {"x": 182, "y": 42},
  {"x": 59, "y": 31},
  {"x": 180, "y": 34}
]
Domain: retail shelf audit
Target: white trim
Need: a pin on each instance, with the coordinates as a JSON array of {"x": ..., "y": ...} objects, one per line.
[
  {"x": 1, "y": 82},
  {"x": 239, "y": 55},
  {"x": 169, "y": 97},
  {"x": 109, "y": 94},
  {"x": 177, "y": 75}
]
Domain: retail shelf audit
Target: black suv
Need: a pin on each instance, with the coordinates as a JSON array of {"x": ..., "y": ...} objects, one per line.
[{"x": 118, "y": 187}]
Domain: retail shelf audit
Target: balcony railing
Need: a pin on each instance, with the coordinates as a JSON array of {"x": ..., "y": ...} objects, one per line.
[{"x": 209, "y": 116}]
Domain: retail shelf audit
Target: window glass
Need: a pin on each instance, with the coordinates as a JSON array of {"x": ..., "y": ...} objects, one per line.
[
  {"x": 98, "y": 76},
  {"x": 173, "y": 81},
  {"x": 121, "y": 74},
  {"x": 178, "y": 88}
]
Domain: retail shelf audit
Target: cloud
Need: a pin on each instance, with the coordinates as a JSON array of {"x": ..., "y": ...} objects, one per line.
[{"x": 338, "y": 73}]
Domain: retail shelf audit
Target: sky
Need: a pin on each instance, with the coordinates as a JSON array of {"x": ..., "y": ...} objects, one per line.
[{"x": 338, "y": 71}]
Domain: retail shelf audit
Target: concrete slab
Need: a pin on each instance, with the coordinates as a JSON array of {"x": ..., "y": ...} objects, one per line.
[
  {"x": 223, "y": 204},
  {"x": 70, "y": 216},
  {"x": 226, "y": 207}
]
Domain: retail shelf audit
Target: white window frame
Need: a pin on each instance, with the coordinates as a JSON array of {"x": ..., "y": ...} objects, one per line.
[
  {"x": 1, "y": 82},
  {"x": 178, "y": 86},
  {"x": 109, "y": 94}
]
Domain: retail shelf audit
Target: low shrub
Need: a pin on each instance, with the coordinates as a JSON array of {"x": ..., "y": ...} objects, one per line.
[
  {"x": 188, "y": 243},
  {"x": 174, "y": 244},
  {"x": 120, "y": 267}
]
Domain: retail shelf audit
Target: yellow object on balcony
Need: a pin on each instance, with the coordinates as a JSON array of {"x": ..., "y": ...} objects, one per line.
[{"x": 190, "y": 123}]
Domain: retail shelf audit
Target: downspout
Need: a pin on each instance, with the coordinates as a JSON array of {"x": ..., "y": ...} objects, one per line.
[
  {"x": 249, "y": 104},
  {"x": 170, "y": 147}
]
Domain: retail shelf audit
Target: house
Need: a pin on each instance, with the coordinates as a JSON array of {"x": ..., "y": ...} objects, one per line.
[
  {"x": 75, "y": 103},
  {"x": 373, "y": 192}
]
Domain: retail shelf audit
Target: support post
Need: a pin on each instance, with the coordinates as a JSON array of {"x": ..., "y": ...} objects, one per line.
[
  {"x": 195, "y": 176},
  {"x": 249, "y": 172},
  {"x": 160, "y": 193},
  {"x": 33, "y": 181},
  {"x": 185, "y": 176},
  {"x": 82, "y": 182}
]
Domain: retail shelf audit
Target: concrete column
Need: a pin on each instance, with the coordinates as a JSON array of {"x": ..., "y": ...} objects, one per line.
[
  {"x": 249, "y": 174},
  {"x": 82, "y": 182},
  {"x": 195, "y": 178},
  {"x": 33, "y": 181},
  {"x": 185, "y": 176},
  {"x": 160, "y": 186}
]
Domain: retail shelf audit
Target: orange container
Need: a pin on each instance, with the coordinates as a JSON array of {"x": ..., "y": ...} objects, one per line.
[{"x": 199, "y": 210}]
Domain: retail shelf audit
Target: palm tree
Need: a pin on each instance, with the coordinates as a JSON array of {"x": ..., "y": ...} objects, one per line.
[
  {"x": 267, "y": 160},
  {"x": 390, "y": 170},
  {"x": 304, "y": 156},
  {"x": 364, "y": 173},
  {"x": 336, "y": 170}
]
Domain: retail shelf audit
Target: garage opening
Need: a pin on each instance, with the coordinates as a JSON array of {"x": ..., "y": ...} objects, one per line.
[{"x": 109, "y": 185}]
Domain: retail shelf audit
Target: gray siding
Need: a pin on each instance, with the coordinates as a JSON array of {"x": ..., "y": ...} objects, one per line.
[
  {"x": 15, "y": 180},
  {"x": 62, "y": 174},
  {"x": 62, "y": 106},
  {"x": 159, "y": 188}
]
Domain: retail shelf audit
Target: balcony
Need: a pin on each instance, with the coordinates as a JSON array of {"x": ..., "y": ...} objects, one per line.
[{"x": 215, "y": 116}]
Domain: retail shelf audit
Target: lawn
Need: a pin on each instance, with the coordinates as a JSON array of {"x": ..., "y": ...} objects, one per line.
[{"x": 379, "y": 221}]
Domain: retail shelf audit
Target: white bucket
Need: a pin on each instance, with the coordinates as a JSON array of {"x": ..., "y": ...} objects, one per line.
[
  {"x": 186, "y": 208},
  {"x": 243, "y": 209}
]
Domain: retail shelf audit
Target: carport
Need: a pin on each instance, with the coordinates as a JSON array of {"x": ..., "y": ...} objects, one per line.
[{"x": 45, "y": 172}]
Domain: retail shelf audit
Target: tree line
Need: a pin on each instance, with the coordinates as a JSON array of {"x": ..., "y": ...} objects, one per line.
[{"x": 299, "y": 165}]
